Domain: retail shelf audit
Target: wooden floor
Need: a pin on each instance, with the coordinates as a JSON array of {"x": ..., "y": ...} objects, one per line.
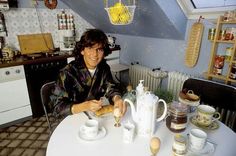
[{"x": 29, "y": 138}]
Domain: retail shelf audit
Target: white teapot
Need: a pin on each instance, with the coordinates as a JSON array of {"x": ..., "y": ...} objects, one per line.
[{"x": 145, "y": 113}]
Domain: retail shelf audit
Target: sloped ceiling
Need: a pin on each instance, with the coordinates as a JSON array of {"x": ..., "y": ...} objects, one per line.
[{"x": 150, "y": 19}]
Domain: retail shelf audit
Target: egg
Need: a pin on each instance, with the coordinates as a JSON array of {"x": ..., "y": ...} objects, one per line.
[
  {"x": 155, "y": 144},
  {"x": 117, "y": 112}
]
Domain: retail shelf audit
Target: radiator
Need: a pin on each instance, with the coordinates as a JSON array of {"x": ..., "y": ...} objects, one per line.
[
  {"x": 175, "y": 83},
  {"x": 152, "y": 79}
]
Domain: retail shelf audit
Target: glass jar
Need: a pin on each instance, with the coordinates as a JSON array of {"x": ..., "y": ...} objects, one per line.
[
  {"x": 222, "y": 35},
  {"x": 219, "y": 64},
  {"x": 211, "y": 34},
  {"x": 229, "y": 15},
  {"x": 229, "y": 34},
  {"x": 228, "y": 53},
  {"x": 233, "y": 72},
  {"x": 179, "y": 146},
  {"x": 177, "y": 119}
]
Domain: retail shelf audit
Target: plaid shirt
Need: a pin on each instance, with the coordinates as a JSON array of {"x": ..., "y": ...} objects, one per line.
[{"x": 76, "y": 85}]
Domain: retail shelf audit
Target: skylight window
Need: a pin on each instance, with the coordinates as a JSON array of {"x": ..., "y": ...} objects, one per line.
[
  {"x": 210, "y": 9},
  {"x": 200, "y": 4}
]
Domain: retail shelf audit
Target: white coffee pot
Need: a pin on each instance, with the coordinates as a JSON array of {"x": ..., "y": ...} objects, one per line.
[{"x": 145, "y": 113}]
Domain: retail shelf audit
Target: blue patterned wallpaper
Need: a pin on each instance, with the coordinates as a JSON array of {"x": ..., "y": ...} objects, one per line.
[{"x": 32, "y": 20}]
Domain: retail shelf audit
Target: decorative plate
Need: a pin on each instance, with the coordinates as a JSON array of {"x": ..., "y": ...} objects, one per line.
[{"x": 214, "y": 125}]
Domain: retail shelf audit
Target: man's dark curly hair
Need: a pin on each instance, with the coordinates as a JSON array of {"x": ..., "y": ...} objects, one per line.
[{"x": 90, "y": 38}]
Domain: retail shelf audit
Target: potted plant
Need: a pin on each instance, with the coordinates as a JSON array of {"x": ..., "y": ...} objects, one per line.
[{"x": 165, "y": 95}]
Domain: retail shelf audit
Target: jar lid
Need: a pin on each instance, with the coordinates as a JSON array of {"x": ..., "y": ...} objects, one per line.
[
  {"x": 180, "y": 138},
  {"x": 178, "y": 108}
]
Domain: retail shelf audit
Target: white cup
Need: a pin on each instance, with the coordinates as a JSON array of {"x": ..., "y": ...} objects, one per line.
[
  {"x": 90, "y": 128},
  {"x": 128, "y": 132},
  {"x": 197, "y": 139}
]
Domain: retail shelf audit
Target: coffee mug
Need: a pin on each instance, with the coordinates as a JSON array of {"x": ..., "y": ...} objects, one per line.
[
  {"x": 90, "y": 128},
  {"x": 197, "y": 139},
  {"x": 205, "y": 115}
]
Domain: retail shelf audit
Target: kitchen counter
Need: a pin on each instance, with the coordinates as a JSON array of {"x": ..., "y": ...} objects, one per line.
[{"x": 23, "y": 60}]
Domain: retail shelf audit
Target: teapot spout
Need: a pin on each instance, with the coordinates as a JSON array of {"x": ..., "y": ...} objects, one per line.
[{"x": 133, "y": 111}]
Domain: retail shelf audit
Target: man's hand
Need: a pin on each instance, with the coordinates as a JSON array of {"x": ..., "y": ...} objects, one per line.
[
  {"x": 94, "y": 105},
  {"x": 91, "y": 105},
  {"x": 119, "y": 103}
]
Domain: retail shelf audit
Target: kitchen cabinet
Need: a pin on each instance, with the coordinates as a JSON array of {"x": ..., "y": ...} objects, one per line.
[{"x": 224, "y": 39}]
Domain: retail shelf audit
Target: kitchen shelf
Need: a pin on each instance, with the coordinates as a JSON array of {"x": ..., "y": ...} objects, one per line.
[
  {"x": 222, "y": 41},
  {"x": 214, "y": 51}
]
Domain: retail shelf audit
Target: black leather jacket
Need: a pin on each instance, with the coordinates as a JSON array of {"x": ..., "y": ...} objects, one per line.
[{"x": 75, "y": 85}]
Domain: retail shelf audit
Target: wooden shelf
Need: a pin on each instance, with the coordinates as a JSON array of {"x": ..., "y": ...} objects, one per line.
[
  {"x": 221, "y": 77},
  {"x": 224, "y": 41},
  {"x": 214, "y": 51},
  {"x": 228, "y": 22}
]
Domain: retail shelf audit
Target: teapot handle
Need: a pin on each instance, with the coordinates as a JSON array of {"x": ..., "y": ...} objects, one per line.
[{"x": 164, "y": 112}]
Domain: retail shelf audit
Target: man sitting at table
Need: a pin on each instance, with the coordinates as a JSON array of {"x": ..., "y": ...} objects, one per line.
[{"x": 85, "y": 80}]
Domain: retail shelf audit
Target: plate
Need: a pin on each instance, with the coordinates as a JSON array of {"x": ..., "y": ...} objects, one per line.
[
  {"x": 190, "y": 103},
  {"x": 214, "y": 125},
  {"x": 207, "y": 150},
  {"x": 101, "y": 134}
]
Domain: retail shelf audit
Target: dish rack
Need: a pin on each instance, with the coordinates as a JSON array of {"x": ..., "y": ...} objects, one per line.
[{"x": 119, "y": 13}]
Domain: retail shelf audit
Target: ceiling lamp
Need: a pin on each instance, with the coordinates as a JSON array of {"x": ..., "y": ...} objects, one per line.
[
  {"x": 120, "y": 13},
  {"x": 50, "y": 5}
]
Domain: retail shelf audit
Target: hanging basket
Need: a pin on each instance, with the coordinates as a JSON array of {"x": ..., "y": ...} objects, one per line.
[{"x": 120, "y": 14}]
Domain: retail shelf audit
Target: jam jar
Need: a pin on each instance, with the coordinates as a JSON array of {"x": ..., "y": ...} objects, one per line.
[
  {"x": 177, "y": 117},
  {"x": 179, "y": 146}
]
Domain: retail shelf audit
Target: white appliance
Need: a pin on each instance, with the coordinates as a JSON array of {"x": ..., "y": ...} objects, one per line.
[
  {"x": 4, "y": 5},
  {"x": 14, "y": 99},
  {"x": 67, "y": 40}
]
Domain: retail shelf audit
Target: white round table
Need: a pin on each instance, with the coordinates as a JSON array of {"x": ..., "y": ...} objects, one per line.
[{"x": 65, "y": 140}]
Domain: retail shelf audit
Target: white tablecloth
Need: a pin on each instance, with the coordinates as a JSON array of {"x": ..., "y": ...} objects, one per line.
[{"x": 65, "y": 140}]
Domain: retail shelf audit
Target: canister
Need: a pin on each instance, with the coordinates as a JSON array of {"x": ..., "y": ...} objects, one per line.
[
  {"x": 222, "y": 35},
  {"x": 219, "y": 64},
  {"x": 233, "y": 72},
  {"x": 177, "y": 119},
  {"x": 228, "y": 53},
  {"x": 229, "y": 34},
  {"x": 229, "y": 15},
  {"x": 211, "y": 34}
]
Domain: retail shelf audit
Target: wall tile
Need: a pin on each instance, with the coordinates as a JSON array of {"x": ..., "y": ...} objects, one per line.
[{"x": 31, "y": 21}]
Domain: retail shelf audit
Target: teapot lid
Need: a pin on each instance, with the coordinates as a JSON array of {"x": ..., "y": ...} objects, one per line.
[{"x": 140, "y": 87}]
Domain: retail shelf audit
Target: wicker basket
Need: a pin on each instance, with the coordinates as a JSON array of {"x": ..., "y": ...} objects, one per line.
[{"x": 120, "y": 14}]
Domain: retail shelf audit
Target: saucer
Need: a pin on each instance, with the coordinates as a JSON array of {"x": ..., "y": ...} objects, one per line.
[
  {"x": 214, "y": 125},
  {"x": 100, "y": 135},
  {"x": 207, "y": 150}
]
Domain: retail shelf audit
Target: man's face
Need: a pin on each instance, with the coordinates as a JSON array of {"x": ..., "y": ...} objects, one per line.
[{"x": 93, "y": 55}]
